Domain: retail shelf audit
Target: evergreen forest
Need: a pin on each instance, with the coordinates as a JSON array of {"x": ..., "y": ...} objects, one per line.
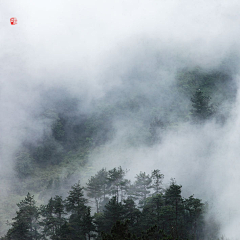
[
  {"x": 43, "y": 202},
  {"x": 110, "y": 207}
]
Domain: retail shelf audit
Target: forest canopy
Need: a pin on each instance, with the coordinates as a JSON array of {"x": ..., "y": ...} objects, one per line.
[{"x": 144, "y": 209}]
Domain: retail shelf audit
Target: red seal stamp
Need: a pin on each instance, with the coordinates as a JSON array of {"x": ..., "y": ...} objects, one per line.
[{"x": 13, "y": 21}]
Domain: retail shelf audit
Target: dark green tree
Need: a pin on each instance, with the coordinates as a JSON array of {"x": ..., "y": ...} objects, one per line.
[
  {"x": 25, "y": 225},
  {"x": 75, "y": 201},
  {"x": 152, "y": 212},
  {"x": 112, "y": 212},
  {"x": 194, "y": 217},
  {"x": 174, "y": 201},
  {"x": 157, "y": 178},
  {"x": 53, "y": 217},
  {"x": 133, "y": 214},
  {"x": 65, "y": 232},
  {"x": 154, "y": 233},
  {"x": 119, "y": 231},
  {"x": 88, "y": 228},
  {"x": 201, "y": 107},
  {"x": 80, "y": 220}
]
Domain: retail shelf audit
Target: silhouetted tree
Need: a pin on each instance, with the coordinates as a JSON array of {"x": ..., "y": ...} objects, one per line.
[
  {"x": 53, "y": 217},
  {"x": 80, "y": 220},
  {"x": 157, "y": 178},
  {"x": 174, "y": 199},
  {"x": 112, "y": 212},
  {"x": 25, "y": 225},
  {"x": 201, "y": 107}
]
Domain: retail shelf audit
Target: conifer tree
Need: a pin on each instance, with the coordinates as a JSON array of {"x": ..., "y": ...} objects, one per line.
[
  {"x": 201, "y": 107},
  {"x": 53, "y": 217},
  {"x": 152, "y": 212},
  {"x": 97, "y": 187},
  {"x": 117, "y": 184},
  {"x": 157, "y": 178},
  {"x": 142, "y": 187},
  {"x": 193, "y": 216},
  {"x": 25, "y": 225},
  {"x": 174, "y": 199},
  {"x": 80, "y": 221},
  {"x": 112, "y": 212},
  {"x": 133, "y": 214}
]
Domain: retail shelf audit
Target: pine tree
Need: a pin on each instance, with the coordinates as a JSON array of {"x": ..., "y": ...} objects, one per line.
[
  {"x": 193, "y": 216},
  {"x": 112, "y": 212},
  {"x": 157, "y": 178},
  {"x": 131, "y": 213},
  {"x": 25, "y": 225},
  {"x": 152, "y": 212},
  {"x": 202, "y": 109},
  {"x": 53, "y": 217},
  {"x": 174, "y": 199},
  {"x": 119, "y": 231},
  {"x": 142, "y": 187},
  {"x": 117, "y": 184},
  {"x": 97, "y": 187},
  {"x": 80, "y": 221}
]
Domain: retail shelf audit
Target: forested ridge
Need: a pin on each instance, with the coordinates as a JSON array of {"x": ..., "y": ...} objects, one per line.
[
  {"x": 47, "y": 164},
  {"x": 123, "y": 210}
]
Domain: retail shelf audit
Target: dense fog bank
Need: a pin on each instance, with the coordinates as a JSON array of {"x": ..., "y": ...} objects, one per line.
[{"x": 89, "y": 84}]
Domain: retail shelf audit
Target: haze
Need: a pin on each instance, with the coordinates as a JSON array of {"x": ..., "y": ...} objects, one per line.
[{"x": 94, "y": 48}]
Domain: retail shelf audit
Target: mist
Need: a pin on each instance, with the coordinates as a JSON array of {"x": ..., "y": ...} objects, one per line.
[{"x": 100, "y": 52}]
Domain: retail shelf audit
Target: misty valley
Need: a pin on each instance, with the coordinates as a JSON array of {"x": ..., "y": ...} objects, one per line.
[{"x": 78, "y": 175}]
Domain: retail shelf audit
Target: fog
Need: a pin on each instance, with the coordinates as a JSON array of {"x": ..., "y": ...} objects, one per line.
[{"x": 99, "y": 51}]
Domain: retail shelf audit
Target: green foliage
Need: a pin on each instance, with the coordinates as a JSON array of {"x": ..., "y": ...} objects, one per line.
[
  {"x": 119, "y": 231},
  {"x": 71, "y": 133},
  {"x": 97, "y": 187},
  {"x": 80, "y": 220},
  {"x": 112, "y": 212},
  {"x": 117, "y": 183},
  {"x": 75, "y": 202},
  {"x": 164, "y": 213},
  {"x": 209, "y": 81},
  {"x": 53, "y": 217},
  {"x": 157, "y": 178},
  {"x": 201, "y": 107},
  {"x": 48, "y": 152},
  {"x": 142, "y": 187},
  {"x": 25, "y": 224}
]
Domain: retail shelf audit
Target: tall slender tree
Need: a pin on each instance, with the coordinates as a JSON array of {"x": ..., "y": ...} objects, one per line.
[
  {"x": 79, "y": 213},
  {"x": 142, "y": 187},
  {"x": 97, "y": 187},
  {"x": 157, "y": 178},
  {"x": 117, "y": 183},
  {"x": 174, "y": 199}
]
